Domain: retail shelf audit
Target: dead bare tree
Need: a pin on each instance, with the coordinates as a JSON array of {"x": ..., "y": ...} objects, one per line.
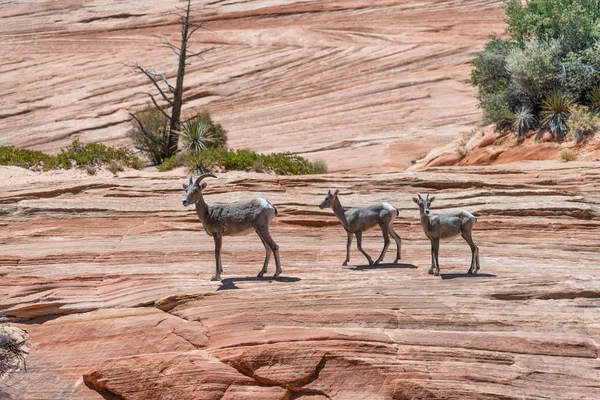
[{"x": 173, "y": 95}]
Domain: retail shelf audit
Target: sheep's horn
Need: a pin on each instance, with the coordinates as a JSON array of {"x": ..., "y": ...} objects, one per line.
[
  {"x": 201, "y": 177},
  {"x": 427, "y": 197},
  {"x": 191, "y": 180},
  {"x": 420, "y": 198}
]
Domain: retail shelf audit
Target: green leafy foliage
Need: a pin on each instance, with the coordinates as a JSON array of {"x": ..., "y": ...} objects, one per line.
[
  {"x": 595, "y": 98},
  {"x": 553, "y": 47},
  {"x": 245, "y": 160},
  {"x": 75, "y": 155},
  {"x": 582, "y": 122}
]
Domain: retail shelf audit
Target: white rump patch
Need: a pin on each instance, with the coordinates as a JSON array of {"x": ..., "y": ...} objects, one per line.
[
  {"x": 265, "y": 203},
  {"x": 389, "y": 207}
]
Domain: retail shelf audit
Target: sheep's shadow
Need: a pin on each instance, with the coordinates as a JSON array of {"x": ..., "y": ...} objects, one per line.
[
  {"x": 383, "y": 266},
  {"x": 465, "y": 275},
  {"x": 229, "y": 283}
]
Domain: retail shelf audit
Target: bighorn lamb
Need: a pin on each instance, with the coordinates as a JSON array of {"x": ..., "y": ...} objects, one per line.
[
  {"x": 357, "y": 220},
  {"x": 440, "y": 226},
  {"x": 233, "y": 219}
]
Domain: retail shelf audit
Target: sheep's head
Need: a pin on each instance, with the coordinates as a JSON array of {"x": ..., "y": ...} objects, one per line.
[
  {"x": 193, "y": 190},
  {"x": 424, "y": 203},
  {"x": 329, "y": 198}
]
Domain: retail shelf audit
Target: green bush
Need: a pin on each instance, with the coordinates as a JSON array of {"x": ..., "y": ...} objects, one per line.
[
  {"x": 149, "y": 132},
  {"x": 553, "y": 47},
  {"x": 75, "y": 155},
  {"x": 582, "y": 122},
  {"x": 595, "y": 98},
  {"x": 246, "y": 160}
]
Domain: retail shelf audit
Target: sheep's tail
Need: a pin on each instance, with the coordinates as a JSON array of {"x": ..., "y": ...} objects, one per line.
[{"x": 274, "y": 208}]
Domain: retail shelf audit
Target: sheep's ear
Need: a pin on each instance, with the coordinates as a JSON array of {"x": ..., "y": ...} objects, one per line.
[
  {"x": 329, "y": 192},
  {"x": 416, "y": 200},
  {"x": 185, "y": 186},
  {"x": 431, "y": 199},
  {"x": 337, "y": 191},
  {"x": 203, "y": 186}
]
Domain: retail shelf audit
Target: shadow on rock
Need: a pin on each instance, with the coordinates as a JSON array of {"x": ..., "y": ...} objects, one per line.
[
  {"x": 383, "y": 266},
  {"x": 453, "y": 276},
  {"x": 229, "y": 283}
]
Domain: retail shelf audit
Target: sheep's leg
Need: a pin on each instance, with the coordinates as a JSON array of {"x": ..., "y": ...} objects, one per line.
[
  {"x": 274, "y": 247},
  {"x": 348, "y": 245},
  {"x": 398, "y": 241},
  {"x": 474, "y": 252},
  {"x": 386, "y": 243},
  {"x": 359, "y": 245},
  {"x": 432, "y": 269},
  {"x": 218, "y": 268},
  {"x": 267, "y": 256},
  {"x": 436, "y": 253}
]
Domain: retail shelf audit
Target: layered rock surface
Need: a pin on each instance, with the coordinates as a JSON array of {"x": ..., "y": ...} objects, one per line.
[
  {"x": 361, "y": 84},
  {"x": 110, "y": 277}
]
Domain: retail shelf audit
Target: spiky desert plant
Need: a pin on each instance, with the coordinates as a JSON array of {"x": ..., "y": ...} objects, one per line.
[
  {"x": 201, "y": 133},
  {"x": 556, "y": 112},
  {"x": 523, "y": 120}
]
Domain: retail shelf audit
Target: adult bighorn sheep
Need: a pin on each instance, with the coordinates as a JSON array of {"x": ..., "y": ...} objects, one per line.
[
  {"x": 357, "y": 220},
  {"x": 440, "y": 226},
  {"x": 233, "y": 219}
]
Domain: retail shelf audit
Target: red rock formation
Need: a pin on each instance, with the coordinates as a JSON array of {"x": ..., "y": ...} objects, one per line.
[
  {"x": 362, "y": 84},
  {"x": 110, "y": 276}
]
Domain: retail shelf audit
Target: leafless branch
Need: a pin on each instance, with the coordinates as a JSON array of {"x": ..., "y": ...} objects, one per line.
[
  {"x": 164, "y": 78},
  {"x": 156, "y": 104},
  {"x": 194, "y": 29},
  {"x": 151, "y": 76},
  {"x": 199, "y": 53},
  {"x": 175, "y": 49}
]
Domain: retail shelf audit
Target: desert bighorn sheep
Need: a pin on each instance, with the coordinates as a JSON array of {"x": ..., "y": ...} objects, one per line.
[
  {"x": 233, "y": 219},
  {"x": 357, "y": 220},
  {"x": 440, "y": 226}
]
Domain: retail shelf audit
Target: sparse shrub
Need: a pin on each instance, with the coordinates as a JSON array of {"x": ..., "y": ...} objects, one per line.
[
  {"x": 258, "y": 166},
  {"x": 90, "y": 169},
  {"x": 149, "y": 132},
  {"x": 320, "y": 166},
  {"x": 245, "y": 160},
  {"x": 568, "y": 155},
  {"x": 75, "y": 155},
  {"x": 582, "y": 122},
  {"x": 523, "y": 121},
  {"x": 556, "y": 111},
  {"x": 115, "y": 167},
  {"x": 461, "y": 149},
  {"x": 172, "y": 162},
  {"x": 12, "y": 355}
]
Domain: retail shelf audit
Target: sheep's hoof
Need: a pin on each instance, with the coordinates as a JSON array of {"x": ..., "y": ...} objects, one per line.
[
  {"x": 345, "y": 263},
  {"x": 260, "y": 274},
  {"x": 377, "y": 262},
  {"x": 216, "y": 278},
  {"x": 277, "y": 274},
  {"x": 396, "y": 260},
  {"x": 371, "y": 262},
  {"x": 430, "y": 272},
  {"x": 436, "y": 273}
]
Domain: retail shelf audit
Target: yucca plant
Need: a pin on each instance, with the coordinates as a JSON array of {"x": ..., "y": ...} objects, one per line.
[
  {"x": 556, "y": 112},
  {"x": 523, "y": 120},
  {"x": 201, "y": 133}
]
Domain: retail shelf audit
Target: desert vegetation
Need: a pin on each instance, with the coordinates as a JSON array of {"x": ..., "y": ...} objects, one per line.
[
  {"x": 77, "y": 155},
  {"x": 545, "y": 73}
]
